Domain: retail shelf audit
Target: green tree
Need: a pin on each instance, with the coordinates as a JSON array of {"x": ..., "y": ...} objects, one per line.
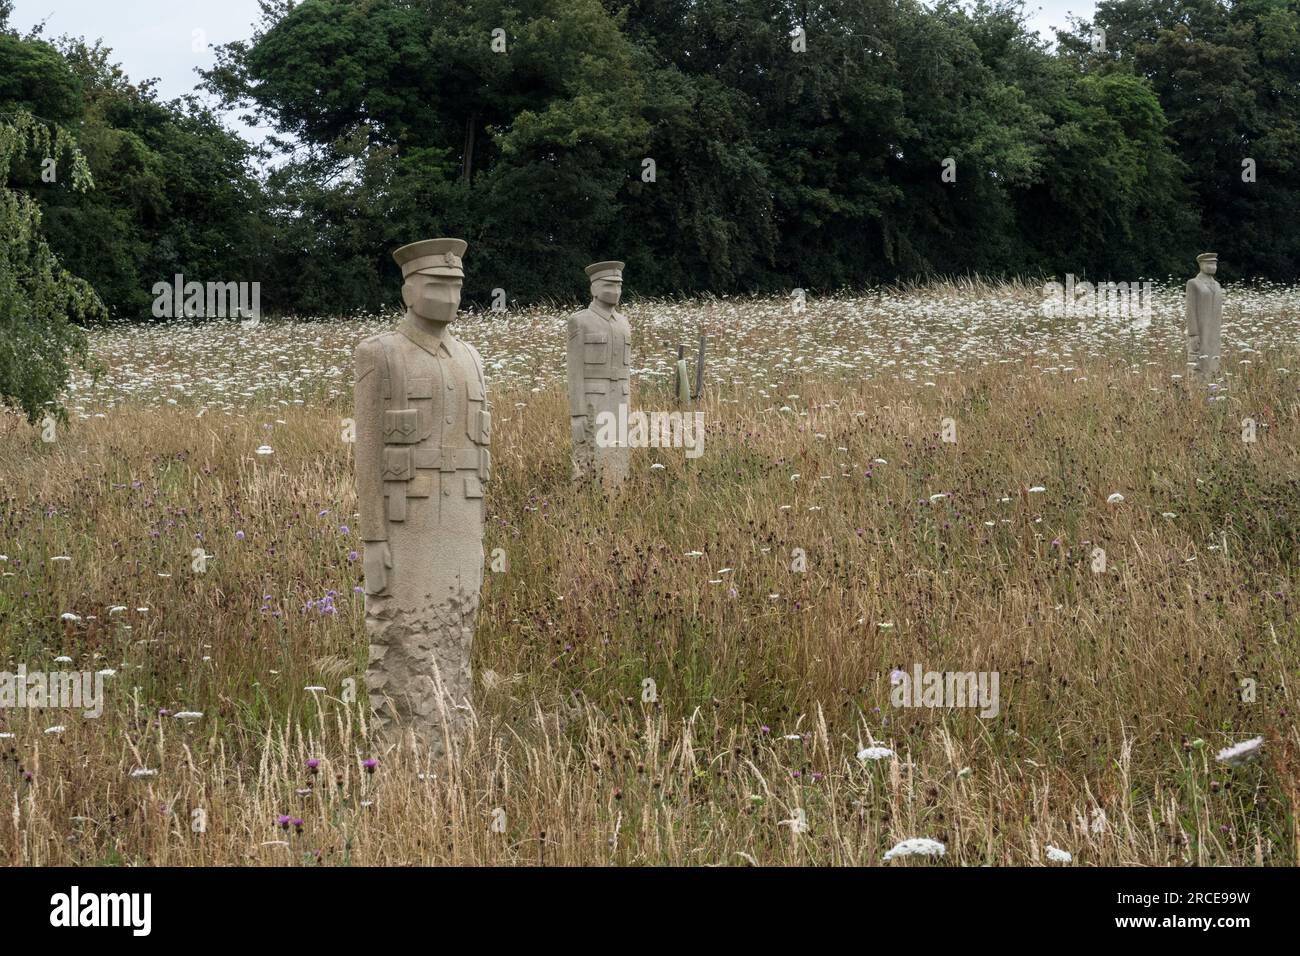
[
  {"x": 1227, "y": 76},
  {"x": 39, "y": 299},
  {"x": 408, "y": 123}
]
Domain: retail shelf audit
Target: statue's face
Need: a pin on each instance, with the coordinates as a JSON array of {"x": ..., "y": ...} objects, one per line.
[
  {"x": 607, "y": 291},
  {"x": 1210, "y": 267},
  {"x": 434, "y": 298}
]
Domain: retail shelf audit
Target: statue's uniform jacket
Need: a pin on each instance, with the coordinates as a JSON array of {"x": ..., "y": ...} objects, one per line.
[
  {"x": 600, "y": 358},
  {"x": 422, "y": 456},
  {"x": 1204, "y": 323}
]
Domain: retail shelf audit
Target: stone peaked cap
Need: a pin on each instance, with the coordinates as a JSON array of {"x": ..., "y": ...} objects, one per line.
[
  {"x": 605, "y": 270},
  {"x": 1208, "y": 257},
  {"x": 432, "y": 257}
]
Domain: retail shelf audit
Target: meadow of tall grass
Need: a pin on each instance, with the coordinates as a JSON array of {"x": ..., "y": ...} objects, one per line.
[{"x": 690, "y": 672}]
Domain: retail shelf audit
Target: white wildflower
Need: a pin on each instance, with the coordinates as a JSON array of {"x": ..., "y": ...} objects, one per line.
[
  {"x": 917, "y": 846},
  {"x": 875, "y": 753},
  {"x": 1238, "y": 755}
]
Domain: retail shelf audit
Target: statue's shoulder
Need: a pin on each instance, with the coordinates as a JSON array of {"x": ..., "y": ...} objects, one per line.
[
  {"x": 458, "y": 346},
  {"x": 581, "y": 319},
  {"x": 368, "y": 357},
  {"x": 373, "y": 344},
  {"x": 474, "y": 355}
]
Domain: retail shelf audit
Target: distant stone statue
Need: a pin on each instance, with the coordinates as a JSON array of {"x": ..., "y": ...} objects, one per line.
[
  {"x": 600, "y": 357},
  {"x": 422, "y": 460},
  {"x": 1204, "y": 318}
]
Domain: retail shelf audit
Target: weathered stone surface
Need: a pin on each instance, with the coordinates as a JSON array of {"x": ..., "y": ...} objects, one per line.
[
  {"x": 1204, "y": 319},
  {"x": 600, "y": 357},
  {"x": 422, "y": 462}
]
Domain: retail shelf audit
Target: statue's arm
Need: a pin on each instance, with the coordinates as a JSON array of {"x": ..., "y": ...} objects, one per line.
[
  {"x": 577, "y": 385},
  {"x": 1192, "y": 309},
  {"x": 368, "y": 414}
]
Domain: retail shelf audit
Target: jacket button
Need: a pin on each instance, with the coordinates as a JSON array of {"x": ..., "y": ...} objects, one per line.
[{"x": 448, "y": 419}]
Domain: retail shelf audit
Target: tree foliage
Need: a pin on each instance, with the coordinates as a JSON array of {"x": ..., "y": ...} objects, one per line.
[
  {"x": 715, "y": 145},
  {"x": 39, "y": 299}
]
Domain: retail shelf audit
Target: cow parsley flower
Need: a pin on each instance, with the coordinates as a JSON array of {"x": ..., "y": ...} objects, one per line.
[
  {"x": 875, "y": 753},
  {"x": 1238, "y": 755},
  {"x": 917, "y": 846}
]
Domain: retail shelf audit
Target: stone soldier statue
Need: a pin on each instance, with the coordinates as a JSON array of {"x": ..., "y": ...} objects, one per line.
[
  {"x": 600, "y": 355},
  {"x": 1204, "y": 318},
  {"x": 422, "y": 436}
]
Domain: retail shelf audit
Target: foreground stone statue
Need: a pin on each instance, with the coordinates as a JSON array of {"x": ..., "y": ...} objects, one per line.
[
  {"x": 600, "y": 356},
  {"x": 422, "y": 460},
  {"x": 1204, "y": 319}
]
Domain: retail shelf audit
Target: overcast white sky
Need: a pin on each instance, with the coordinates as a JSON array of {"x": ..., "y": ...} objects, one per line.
[{"x": 156, "y": 38}]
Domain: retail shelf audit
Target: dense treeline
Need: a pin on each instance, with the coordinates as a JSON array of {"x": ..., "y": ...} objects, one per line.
[{"x": 792, "y": 145}]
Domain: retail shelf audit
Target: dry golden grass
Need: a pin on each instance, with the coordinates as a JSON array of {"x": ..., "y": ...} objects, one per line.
[{"x": 1116, "y": 688}]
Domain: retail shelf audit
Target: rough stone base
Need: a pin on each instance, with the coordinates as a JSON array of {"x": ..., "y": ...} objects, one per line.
[{"x": 419, "y": 673}]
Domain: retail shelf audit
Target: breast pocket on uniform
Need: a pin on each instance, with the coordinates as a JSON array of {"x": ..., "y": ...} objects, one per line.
[
  {"x": 419, "y": 387},
  {"x": 596, "y": 348}
]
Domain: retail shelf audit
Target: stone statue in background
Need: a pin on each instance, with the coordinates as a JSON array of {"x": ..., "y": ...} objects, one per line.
[
  {"x": 600, "y": 356},
  {"x": 422, "y": 460},
  {"x": 1204, "y": 319}
]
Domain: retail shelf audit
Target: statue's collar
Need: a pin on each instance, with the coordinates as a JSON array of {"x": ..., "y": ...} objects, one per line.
[
  {"x": 422, "y": 337},
  {"x": 604, "y": 311}
]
